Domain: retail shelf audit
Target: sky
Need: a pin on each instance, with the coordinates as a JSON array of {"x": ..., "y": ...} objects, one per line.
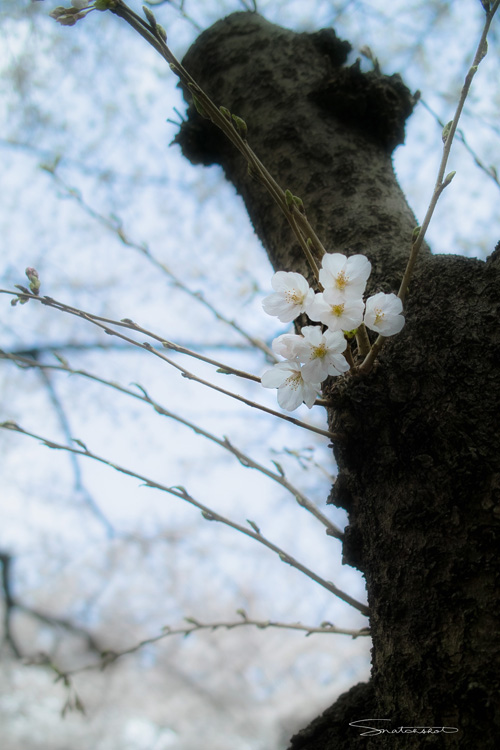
[{"x": 93, "y": 546}]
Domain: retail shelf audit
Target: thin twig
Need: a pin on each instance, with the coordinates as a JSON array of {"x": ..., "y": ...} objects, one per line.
[
  {"x": 105, "y": 323},
  {"x": 441, "y": 181},
  {"x": 12, "y": 603},
  {"x": 117, "y": 229},
  {"x": 490, "y": 171},
  {"x": 64, "y": 422},
  {"x": 109, "y": 657},
  {"x": 207, "y": 513},
  {"x": 243, "y": 458},
  {"x": 180, "y": 10}
]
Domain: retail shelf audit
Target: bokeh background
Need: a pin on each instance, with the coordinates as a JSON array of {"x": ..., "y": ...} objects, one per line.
[{"x": 117, "y": 223}]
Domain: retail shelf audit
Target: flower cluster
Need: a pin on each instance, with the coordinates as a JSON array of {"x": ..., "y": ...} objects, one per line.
[{"x": 318, "y": 351}]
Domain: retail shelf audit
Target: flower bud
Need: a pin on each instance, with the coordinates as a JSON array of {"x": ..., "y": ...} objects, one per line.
[
  {"x": 34, "y": 279},
  {"x": 446, "y": 131},
  {"x": 150, "y": 16},
  {"x": 240, "y": 125}
]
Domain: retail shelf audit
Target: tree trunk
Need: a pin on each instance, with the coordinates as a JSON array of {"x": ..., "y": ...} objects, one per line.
[{"x": 419, "y": 454}]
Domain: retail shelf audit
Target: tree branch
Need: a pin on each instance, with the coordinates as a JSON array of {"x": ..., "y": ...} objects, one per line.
[
  {"x": 109, "y": 657},
  {"x": 244, "y": 459},
  {"x": 442, "y": 182},
  {"x": 116, "y": 227},
  {"x": 207, "y": 513},
  {"x": 104, "y": 323}
]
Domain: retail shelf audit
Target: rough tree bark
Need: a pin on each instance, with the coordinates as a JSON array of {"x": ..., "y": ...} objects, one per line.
[{"x": 419, "y": 457}]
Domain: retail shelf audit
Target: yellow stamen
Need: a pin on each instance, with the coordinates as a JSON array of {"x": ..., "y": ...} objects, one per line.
[
  {"x": 338, "y": 310},
  {"x": 341, "y": 281},
  {"x": 319, "y": 352},
  {"x": 294, "y": 381},
  {"x": 293, "y": 296}
]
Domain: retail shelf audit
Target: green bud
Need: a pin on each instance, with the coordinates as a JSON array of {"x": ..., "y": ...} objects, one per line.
[
  {"x": 225, "y": 112},
  {"x": 415, "y": 234},
  {"x": 32, "y": 275},
  {"x": 448, "y": 178},
  {"x": 289, "y": 199},
  {"x": 240, "y": 125},
  {"x": 161, "y": 32},
  {"x": 150, "y": 16},
  {"x": 294, "y": 200},
  {"x": 446, "y": 131},
  {"x": 254, "y": 526},
  {"x": 66, "y": 16},
  {"x": 350, "y": 334},
  {"x": 484, "y": 50},
  {"x": 199, "y": 107},
  {"x": 279, "y": 467}
]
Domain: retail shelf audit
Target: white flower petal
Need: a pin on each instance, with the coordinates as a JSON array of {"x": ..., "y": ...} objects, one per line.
[
  {"x": 310, "y": 393},
  {"x": 313, "y": 335},
  {"x": 347, "y": 276},
  {"x": 274, "y": 304},
  {"x": 336, "y": 341},
  {"x": 292, "y": 388},
  {"x": 383, "y": 314},
  {"x": 286, "y": 345},
  {"x": 336, "y": 311},
  {"x": 291, "y": 397},
  {"x": 321, "y": 353},
  {"x": 284, "y": 280},
  {"x": 291, "y": 297},
  {"x": 315, "y": 370},
  {"x": 276, "y": 376}
]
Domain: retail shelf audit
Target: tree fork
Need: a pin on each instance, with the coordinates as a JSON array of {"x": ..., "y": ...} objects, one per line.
[{"x": 419, "y": 465}]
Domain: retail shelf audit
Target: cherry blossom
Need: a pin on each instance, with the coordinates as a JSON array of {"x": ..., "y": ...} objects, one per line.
[
  {"x": 286, "y": 345},
  {"x": 336, "y": 311},
  {"x": 292, "y": 296},
  {"x": 321, "y": 353},
  {"x": 383, "y": 314},
  {"x": 346, "y": 276},
  {"x": 293, "y": 389},
  {"x": 315, "y": 354}
]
